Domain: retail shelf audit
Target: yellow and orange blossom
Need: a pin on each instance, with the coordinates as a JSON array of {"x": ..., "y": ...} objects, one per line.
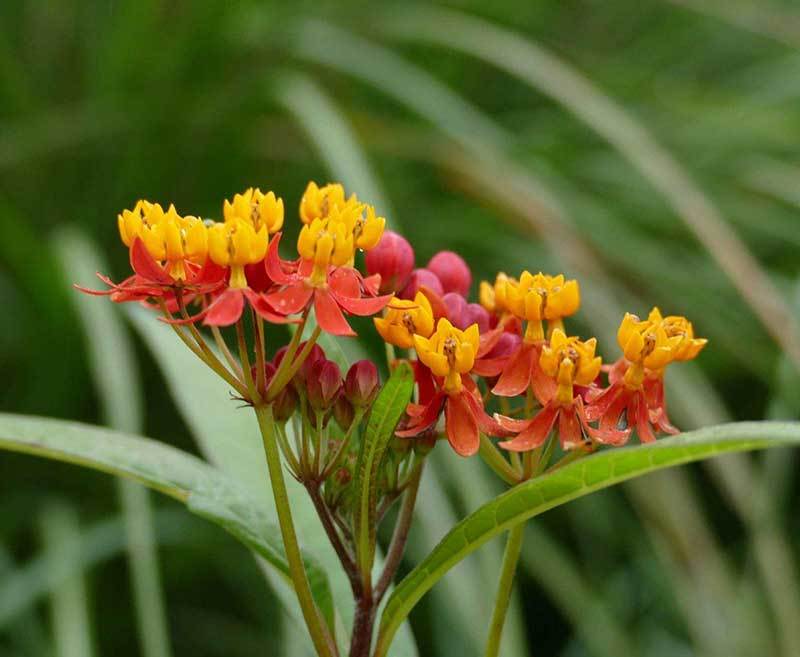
[
  {"x": 449, "y": 352},
  {"x": 234, "y": 244},
  {"x": 317, "y": 202},
  {"x": 569, "y": 361},
  {"x": 404, "y": 319},
  {"x": 257, "y": 208},
  {"x": 652, "y": 344},
  {"x": 168, "y": 237},
  {"x": 536, "y": 297},
  {"x": 493, "y": 296}
]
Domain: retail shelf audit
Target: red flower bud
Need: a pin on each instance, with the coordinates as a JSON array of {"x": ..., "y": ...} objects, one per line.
[
  {"x": 456, "y": 306},
  {"x": 418, "y": 279},
  {"x": 452, "y": 271},
  {"x": 343, "y": 412},
  {"x": 323, "y": 384},
  {"x": 479, "y": 315},
  {"x": 315, "y": 355},
  {"x": 393, "y": 259},
  {"x": 361, "y": 383},
  {"x": 343, "y": 476},
  {"x": 285, "y": 404}
]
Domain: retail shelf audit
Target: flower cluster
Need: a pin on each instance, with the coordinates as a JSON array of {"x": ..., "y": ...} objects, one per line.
[
  {"x": 503, "y": 367},
  {"x": 225, "y": 265},
  {"x": 513, "y": 345}
]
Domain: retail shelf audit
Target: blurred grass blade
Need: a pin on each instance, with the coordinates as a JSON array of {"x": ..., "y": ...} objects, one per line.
[
  {"x": 332, "y": 136},
  {"x": 590, "y": 614},
  {"x": 345, "y": 51},
  {"x": 206, "y": 491},
  {"x": 385, "y": 413},
  {"x": 69, "y": 601},
  {"x": 22, "y": 588},
  {"x": 119, "y": 388},
  {"x": 550, "y": 75},
  {"x": 580, "y": 478},
  {"x": 764, "y": 17}
]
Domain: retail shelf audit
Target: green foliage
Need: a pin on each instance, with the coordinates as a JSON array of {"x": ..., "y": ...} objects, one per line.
[
  {"x": 205, "y": 490},
  {"x": 386, "y": 411},
  {"x": 574, "y": 480}
]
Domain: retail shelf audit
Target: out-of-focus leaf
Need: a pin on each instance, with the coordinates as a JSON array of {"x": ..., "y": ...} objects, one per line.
[{"x": 206, "y": 491}]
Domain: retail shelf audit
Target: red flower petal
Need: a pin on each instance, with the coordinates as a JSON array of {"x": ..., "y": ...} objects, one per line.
[
  {"x": 461, "y": 426},
  {"x": 489, "y": 340},
  {"x": 535, "y": 435},
  {"x": 210, "y": 274},
  {"x": 274, "y": 264},
  {"x": 486, "y": 423},
  {"x": 329, "y": 316},
  {"x": 614, "y": 437},
  {"x": 264, "y": 310},
  {"x": 146, "y": 267},
  {"x": 371, "y": 284},
  {"x": 346, "y": 289},
  {"x": 516, "y": 376},
  {"x": 638, "y": 408},
  {"x": 569, "y": 429},
  {"x": 425, "y": 382},
  {"x": 423, "y": 417},
  {"x": 226, "y": 309},
  {"x": 290, "y": 300},
  {"x": 490, "y": 367}
]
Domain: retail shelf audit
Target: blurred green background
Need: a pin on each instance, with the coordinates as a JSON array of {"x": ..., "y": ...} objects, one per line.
[{"x": 649, "y": 149}]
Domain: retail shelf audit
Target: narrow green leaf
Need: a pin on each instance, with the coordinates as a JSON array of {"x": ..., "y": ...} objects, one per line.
[
  {"x": 205, "y": 490},
  {"x": 386, "y": 412},
  {"x": 69, "y": 599},
  {"x": 572, "y": 481}
]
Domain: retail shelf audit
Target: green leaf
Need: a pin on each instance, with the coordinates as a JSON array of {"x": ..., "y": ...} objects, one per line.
[
  {"x": 205, "y": 490},
  {"x": 386, "y": 412},
  {"x": 570, "y": 482}
]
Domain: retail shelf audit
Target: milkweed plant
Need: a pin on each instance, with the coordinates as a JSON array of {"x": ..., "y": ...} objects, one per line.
[{"x": 502, "y": 379}]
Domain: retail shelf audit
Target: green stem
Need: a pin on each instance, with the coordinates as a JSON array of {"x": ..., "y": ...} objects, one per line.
[
  {"x": 494, "y": 459},
  {"x": 503, "y": 596},
  {"x": 282, "y": 378},
  {"x": 316, "y": 627}
]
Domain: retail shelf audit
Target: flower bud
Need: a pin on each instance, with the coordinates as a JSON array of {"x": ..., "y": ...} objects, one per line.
[
  {"x": 285, "y": 404},
  {"x": 477, "y": 314},
  {"x": 456, "y": 306},
  {"x": 393, "y": 259},
  {"x": 343, "y": 476},
  {"x": 418, "y": 279},
  {"x": 315, "y": 355},
  {"x": 361, "y": 383},
  {"x": 323, "y": 384},
  {"x": 452, "y": 271},
  {"x": 343, "y": 412}
]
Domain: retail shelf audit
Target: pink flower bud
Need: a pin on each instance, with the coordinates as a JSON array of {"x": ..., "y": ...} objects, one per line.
[
  {"x": 418, "y": 279},
  {"x": 323, "y": 384},
  {"x": 456, "y": 306},
  {"x": 477, "y": 314},
  {"x": 361, "y": 383},
  {"x": 393, "y": 259},
  {"x": 452, "y": 271}
]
